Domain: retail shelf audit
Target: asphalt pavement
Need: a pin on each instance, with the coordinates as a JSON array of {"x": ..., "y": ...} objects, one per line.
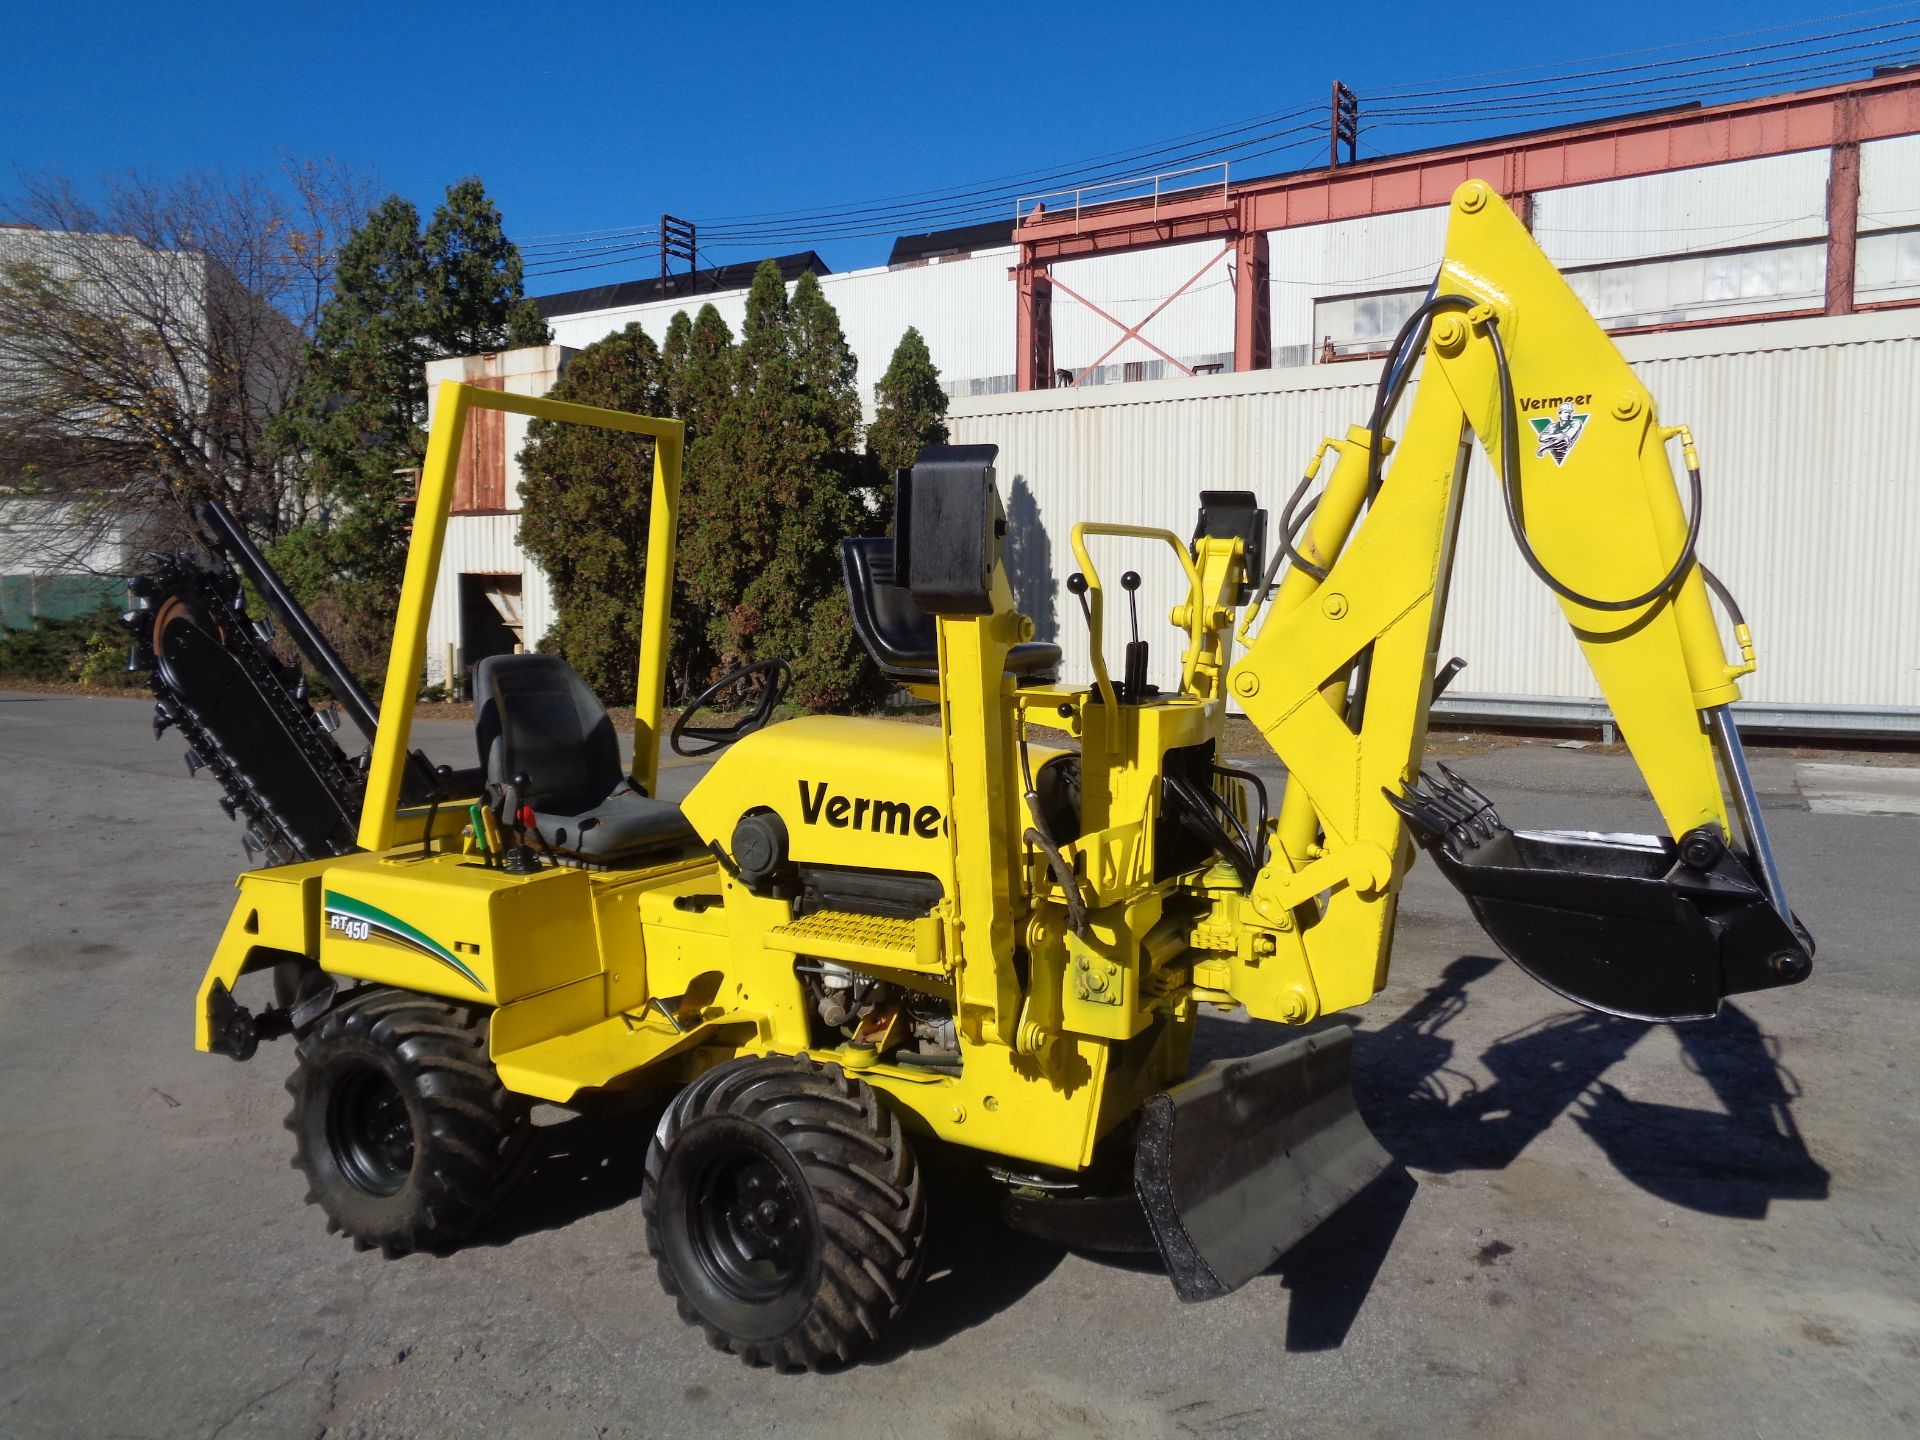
[{"x": 1601, "y": 1228}]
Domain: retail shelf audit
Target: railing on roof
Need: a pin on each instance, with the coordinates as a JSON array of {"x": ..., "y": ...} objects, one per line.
[{"x": 1139, "y": 187}]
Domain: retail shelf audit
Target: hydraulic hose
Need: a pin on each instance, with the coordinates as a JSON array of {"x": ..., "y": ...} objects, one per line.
[
  {"x": 1290, "y": 527},
  {"x": 1510, "y": 483},
  {"x": 1394, "y": 375},
  {"x": 1393, "y": 380},
  {"x": 1726, "y": 597}
]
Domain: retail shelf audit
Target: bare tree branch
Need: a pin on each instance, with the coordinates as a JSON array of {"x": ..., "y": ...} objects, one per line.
[{"x": 150, "y": 341}]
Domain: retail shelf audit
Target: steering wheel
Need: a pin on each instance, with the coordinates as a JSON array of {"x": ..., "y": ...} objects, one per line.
[{"x": 776, "y": 678}]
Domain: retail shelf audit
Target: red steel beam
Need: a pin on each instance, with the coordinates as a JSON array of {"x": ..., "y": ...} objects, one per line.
[
  {"x": 1843, "y": 212},
  {"x": 1579, "y": 155},
  {"x": 1252, "y": 304}
]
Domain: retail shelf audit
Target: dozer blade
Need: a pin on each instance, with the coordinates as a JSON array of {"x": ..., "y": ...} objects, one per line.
[
  {"x": 1640, "y": 926},
  {"x": 1239, "y": 1163}
]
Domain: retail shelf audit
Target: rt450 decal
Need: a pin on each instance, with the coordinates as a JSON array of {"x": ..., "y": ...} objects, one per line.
[{"x": 356, "y": 920}]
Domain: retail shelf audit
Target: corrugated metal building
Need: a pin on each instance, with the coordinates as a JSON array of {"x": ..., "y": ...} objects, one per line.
[
  {"x": 1803, "y": 427},
  {"x": 1798, "y": 466}
]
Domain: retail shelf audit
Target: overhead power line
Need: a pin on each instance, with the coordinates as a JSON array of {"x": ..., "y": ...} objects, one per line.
[
  {"x": 1457, "y": 84},
  {"x": 1826, "y": 48}
]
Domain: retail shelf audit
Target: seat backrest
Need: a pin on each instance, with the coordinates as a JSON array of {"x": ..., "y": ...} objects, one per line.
[
  {"x": 535, "y": 716},
  {"x": 897, "y": 633}
]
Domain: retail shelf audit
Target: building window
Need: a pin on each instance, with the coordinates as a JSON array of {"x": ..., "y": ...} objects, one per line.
[
  {"x": 1887, "y": 266},
  {"x": 1666, "y": 291},
  {"x": 1704, "y": 287}
]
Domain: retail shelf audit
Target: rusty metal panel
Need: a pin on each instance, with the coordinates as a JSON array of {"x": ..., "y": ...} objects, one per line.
[
  {"x": 1591, "y": 152},
  {"x": 480, "y": 484},
  {"x": 485, "y": 539},
  {"x": 1811, "y": 516}
]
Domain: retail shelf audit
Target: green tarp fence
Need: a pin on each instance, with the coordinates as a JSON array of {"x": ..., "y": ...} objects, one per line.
[{"x": 23, "y": 598}]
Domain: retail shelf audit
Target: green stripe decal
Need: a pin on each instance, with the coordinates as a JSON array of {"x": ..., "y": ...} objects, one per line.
[{"x": 392, "y": 927}]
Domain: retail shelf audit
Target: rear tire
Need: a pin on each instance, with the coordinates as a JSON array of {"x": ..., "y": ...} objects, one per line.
[
  {"x": 785, "y": 1211},
  {"x": 406, "y": 1136}
]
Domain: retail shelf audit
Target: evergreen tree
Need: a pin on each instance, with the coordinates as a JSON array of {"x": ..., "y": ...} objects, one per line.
[
  {"x": 774, "y": 492},
  {"x": 824, "y": 366},
  {"x": 911, "y": 408},
  {"x": 400, "y": 299},
  {"x": 588, "y": 497},
  {"x": 475, "y": 301},
  {"x": 699, "y": 358},
  {"x": 673, "y": 357}
]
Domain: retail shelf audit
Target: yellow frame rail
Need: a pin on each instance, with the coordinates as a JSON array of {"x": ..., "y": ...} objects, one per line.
[{"x": 379, "y": 827}]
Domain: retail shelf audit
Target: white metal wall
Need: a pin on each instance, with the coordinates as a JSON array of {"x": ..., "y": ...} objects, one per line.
[
  {"x": 1712, "y": 207},
  {"x": 1130, "y": 287},
  {"x": 1811, "y": 518},
  {"x": 1887, "y": 263},
  {"x": 1347, "y": 257},
  {"x": 964, "y": 308},
  {"x": 579, "y": 331},
  {"x": 1890, "y": 183},
  {"x": 483, "y": 545}
]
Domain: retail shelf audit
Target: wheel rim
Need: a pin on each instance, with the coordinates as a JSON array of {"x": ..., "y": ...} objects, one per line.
[
  {"x": 749, "y": 1226},
  {"x": 370, "y": 1132}
]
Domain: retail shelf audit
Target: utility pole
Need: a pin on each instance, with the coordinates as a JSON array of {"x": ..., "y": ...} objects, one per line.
[
  {"x": 677, "y": 242},
  {"x": 1344, "y": 125}
]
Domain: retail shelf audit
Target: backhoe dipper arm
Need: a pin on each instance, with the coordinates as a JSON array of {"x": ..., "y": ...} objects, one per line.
[{"x": 1339, "y": 678}]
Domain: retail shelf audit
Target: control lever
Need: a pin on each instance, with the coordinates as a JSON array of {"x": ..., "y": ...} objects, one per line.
[
  {"x": 1077, "y": 587},
  {"x": 441, "y": 775},
  {"x": 1134, "y": 684},
  {"x": 519, "y": 859}
]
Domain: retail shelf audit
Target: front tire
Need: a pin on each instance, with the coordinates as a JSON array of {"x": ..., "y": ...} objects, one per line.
[
  {"x": 784, "y": 1209},
  {"x": 406, "y": 1136}
]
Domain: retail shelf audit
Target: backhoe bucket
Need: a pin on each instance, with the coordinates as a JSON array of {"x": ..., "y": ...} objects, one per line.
[
  {"x": 1236, "y": 1165},
  {"x": 1640, "y": 926}
]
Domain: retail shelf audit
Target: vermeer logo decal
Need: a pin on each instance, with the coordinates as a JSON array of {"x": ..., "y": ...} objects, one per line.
[
  {"x": 356, "y": 920},
  {"x": 1559, "y": 433},
  {"x": 883, "y": 817}
]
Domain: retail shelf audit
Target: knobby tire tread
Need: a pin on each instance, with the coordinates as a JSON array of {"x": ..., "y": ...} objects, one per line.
[
  {"x": 865, "y": 1188},
  {"x": 470, "y": 1152}
]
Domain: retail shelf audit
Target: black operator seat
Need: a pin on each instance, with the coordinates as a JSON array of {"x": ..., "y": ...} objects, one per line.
[
  {"x": 536, "y": 717},
  {"x": 901, "y": 636}
]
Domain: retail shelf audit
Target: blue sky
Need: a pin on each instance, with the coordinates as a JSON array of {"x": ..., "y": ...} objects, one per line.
[{"x": 593, "y": 116}]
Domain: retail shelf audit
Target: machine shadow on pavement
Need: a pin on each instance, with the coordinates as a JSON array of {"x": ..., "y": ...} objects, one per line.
[
  {"x": 957, "y": 1291},
  {"x": 582, "y": 1164},
  {"x": 1430, "y": 1116},
  {"x": 593, "y": 1161},
  {"x": 1731, "y": 1162}
]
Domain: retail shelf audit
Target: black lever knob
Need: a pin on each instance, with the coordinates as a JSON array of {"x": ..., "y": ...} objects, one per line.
[
  {"x": 1077, "y": 587},
  {"x": 1130, "y": 581}
]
